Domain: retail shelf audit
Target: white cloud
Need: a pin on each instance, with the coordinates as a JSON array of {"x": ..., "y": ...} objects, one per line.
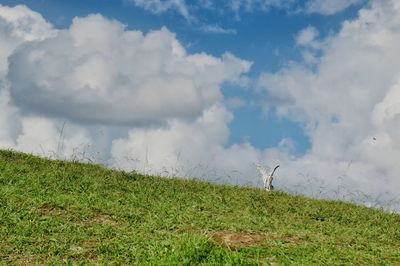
[
  {"x": 188, "y": 9},
  {"x": 42, "y": 136},
  {"x": 307, "y": 36},
  {"x": 98, "y": 72},
  {"x": 160, "y": 6},
  {"x": 218, "y": 29},
  {"x": 191, "y": 149},
  {"x": 349, "y": 104},
  {"x": 265, "y": 5},
  {"x": 9, "y": 120},
  {"x": 330, "y": 7},
  {"x": 323, "y": 7},
  {"x": 161, "y": 147},
  {"x": 17, "y": 25},
  {"x": 307, "y": 39},
  {"x": 20, "y": 25}
]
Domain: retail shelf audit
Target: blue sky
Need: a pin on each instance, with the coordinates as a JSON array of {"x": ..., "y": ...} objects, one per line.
[
  {"x": 207, "y": 88},
  {"x": 265, "y": 37}
]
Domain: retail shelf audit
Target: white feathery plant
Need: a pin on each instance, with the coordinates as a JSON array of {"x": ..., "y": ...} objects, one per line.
[{"x": 266, "y": 177}]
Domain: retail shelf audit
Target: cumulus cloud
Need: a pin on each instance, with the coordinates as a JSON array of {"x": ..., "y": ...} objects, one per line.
[
  {"x": 349, "y": 104},
  {"x": 9, "y": 120},
  {"x": 45, "y": 137},
  {"x": 98, "y": 72},
  {"x": 192, "y": 149},
  {"x": 113, "y": 77},
  {"x": 19, "y": 25}
]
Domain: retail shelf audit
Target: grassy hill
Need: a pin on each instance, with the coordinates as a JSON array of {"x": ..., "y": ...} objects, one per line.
[{"x": 54, "y": 212}]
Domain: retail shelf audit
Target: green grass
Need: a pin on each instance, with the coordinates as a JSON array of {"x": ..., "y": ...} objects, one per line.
[{"x": 57, "y": 212}]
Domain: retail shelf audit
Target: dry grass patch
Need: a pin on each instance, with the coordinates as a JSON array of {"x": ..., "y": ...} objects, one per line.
[
  {"x": 87, "y": 249},
  {"x": 101, "y": 219},
  {"x": 235, "y": 240},
  {"x": 48, "y": 209},
  {"x": 28, "y": 260},
  {"x": 238, "y": 239}
]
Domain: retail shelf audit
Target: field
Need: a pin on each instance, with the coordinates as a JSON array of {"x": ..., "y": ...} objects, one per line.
[{"x": 58, "y": 212}]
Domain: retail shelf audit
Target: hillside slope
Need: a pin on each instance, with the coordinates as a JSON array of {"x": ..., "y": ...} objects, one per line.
[{"x": 55, "y": 212}]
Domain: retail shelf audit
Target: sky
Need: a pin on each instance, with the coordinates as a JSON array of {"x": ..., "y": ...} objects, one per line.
[{"x": 205, "y": 89}]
